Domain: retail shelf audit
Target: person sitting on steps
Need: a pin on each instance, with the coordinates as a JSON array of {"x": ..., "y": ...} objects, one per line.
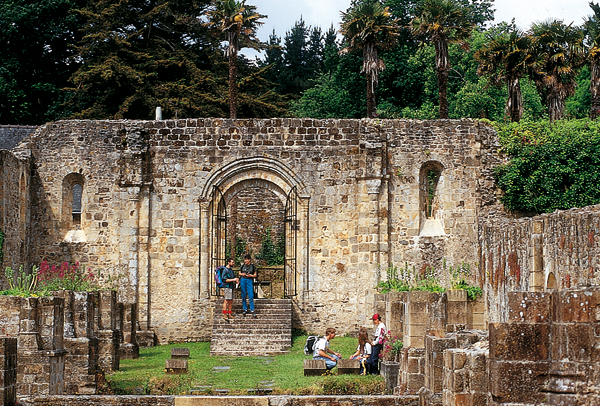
[
  {"x": 229, "y": 279},
  {"x": 322, "y": 350},
  {"x": 247, "y": 275}
]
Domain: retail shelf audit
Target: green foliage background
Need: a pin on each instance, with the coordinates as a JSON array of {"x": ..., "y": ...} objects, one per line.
[{"x": 552, "y": 166}]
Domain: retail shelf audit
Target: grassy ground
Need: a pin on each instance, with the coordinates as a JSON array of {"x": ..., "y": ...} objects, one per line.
[{"x": 283, "y": 373}]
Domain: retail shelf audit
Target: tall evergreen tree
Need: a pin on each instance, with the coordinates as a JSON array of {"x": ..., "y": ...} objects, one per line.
[
  {"x": 37, "y": 58},
  {"x": 138, "y": 55}
]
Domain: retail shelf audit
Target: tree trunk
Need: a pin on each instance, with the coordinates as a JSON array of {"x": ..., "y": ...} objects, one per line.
[
  {"x": 233, "y": 84},
  {"x": 371, "y": 109},
  {"x": 556, "y": 105},
  {"x": 595, "y": 89},
  {"x": 514, "y": 104},
  {"x": 442, "y": 65}
]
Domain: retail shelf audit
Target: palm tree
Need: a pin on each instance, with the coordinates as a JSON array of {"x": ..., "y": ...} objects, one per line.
[
  {"x": 560, "y": 48},
  {"x": 507, "y": 59},
  {"x": 234, "y": 19},
  {"x": 591, "y": 28},
  {"x": 442, "y": 22},
  {"x": 370, "y": 27}
]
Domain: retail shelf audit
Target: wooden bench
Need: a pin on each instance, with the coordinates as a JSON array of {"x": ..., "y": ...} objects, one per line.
[
  {"x": 348, "y": 366},
  {"x": 314, "y": 367}
]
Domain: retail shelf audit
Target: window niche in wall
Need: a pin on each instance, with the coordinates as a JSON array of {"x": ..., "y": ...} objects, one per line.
[
  {"x": 72, "y": 207},
  {"x": 430, "y": 180}
]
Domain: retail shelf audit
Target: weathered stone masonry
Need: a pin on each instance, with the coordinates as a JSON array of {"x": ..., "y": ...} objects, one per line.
[{"x": 148, "y": 185}]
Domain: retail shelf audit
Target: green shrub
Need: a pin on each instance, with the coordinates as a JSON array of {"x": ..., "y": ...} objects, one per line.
[
  {"x": 552, "y": 166},
  {"x": 272, "y": 254}
]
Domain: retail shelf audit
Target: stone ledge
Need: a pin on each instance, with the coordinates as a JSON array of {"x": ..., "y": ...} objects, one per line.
[{"x": 133, "y": 400}]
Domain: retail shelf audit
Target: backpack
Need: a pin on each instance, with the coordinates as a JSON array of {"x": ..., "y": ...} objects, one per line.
[
  {"x": 219, "y": 278},
  {"x": 309, "y": 347}
]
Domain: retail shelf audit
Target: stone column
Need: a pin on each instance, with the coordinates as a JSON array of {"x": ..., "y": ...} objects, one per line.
[
  {"x": 204, "y": 249},
  {"x": 8, "y": 371},
  {"x": 536, "y": 281}
]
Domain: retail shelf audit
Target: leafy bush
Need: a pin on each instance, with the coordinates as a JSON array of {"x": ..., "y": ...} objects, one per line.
[
  {"x": 552, "y": 166},
  {"x": 272, "y": 254}
]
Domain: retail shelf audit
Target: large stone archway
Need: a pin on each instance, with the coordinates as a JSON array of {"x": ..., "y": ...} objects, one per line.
[{"x": 233, "y": 179}]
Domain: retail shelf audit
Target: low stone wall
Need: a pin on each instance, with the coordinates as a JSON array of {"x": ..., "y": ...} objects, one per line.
[
  {"x": 411, "y": 316},
  {"x": 559, "y": 250},
  {"x": 226, "y": 400},
  {"x": 549, "y": 350},
  {"x": 63, "y": 342}
]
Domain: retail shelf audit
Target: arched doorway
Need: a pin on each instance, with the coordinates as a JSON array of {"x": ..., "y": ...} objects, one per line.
[{"x": 249, "y": 201}]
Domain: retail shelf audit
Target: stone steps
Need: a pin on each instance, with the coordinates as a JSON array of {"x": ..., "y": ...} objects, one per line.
[{"x": 269, "y": 333}]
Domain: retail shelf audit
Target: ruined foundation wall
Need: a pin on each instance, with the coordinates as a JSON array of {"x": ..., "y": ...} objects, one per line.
[
  {"x": 148, "y": 185},
  {"x": 551, "y": 251}
]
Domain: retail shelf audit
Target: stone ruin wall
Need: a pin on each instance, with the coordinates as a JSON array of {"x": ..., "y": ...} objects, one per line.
[
  {"x": 559, "y": 250},
  {"x": 146, "y": 201},
  {"x": 14, "y": 208}
]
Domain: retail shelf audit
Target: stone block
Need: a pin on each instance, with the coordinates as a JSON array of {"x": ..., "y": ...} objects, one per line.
[
  {"x": 176, "y": 366},
  {"x": 348, "y": 366},
  {"x": 519, "y": 342},
  {"x": 575, "y": 342},
  {"x": 516, "y": 381},
  {"x": 314, "y": 367},
  {"x": 529, "y": 307},
  {"x": 180, "y": 353},
  {"x": 577, "y": 305}
]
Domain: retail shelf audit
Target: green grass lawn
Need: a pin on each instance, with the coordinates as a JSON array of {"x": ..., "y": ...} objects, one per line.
[{"x": 284, "y": 372}]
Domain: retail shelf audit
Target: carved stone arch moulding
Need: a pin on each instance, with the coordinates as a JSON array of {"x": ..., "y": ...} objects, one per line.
[{"x": 246, "y": 169}]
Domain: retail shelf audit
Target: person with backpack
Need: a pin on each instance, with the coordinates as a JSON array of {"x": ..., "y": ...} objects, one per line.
[
  {"x": 228, "y": 279},
  {"x": 380, "y": 333},
  {"x": 247, "y": 275},
  {"x": 322, "y": 350}
]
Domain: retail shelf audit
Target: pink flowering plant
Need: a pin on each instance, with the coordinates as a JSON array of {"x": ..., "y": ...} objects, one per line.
[
  {"x": 392, "y": 346},
  {"x": 65, "y": 277}
]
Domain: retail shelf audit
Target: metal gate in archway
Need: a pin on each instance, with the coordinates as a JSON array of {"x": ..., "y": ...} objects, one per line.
[
  {"x": 290, "y": 233},
  {"x": 218, "y": 230},
  {"x": 218, "y": 238}
]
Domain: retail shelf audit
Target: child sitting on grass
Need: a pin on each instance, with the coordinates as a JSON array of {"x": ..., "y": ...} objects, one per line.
[{"x": 363, "y": 352}]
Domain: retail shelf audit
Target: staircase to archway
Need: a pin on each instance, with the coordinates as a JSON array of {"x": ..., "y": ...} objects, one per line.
[{"x": 269, "y": 333}]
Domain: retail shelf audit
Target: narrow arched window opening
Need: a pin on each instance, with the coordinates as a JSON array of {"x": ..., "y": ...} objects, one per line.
[
  {"x": 431, "y": 180},
  {"x": 76, "y": 204}
]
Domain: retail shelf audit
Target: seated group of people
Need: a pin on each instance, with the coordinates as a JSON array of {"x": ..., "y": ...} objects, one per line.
[{"x": 367, "y": 352}]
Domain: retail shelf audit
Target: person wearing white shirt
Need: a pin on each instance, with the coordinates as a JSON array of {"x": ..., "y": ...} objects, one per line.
[{"x": 380, "y": 333}]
